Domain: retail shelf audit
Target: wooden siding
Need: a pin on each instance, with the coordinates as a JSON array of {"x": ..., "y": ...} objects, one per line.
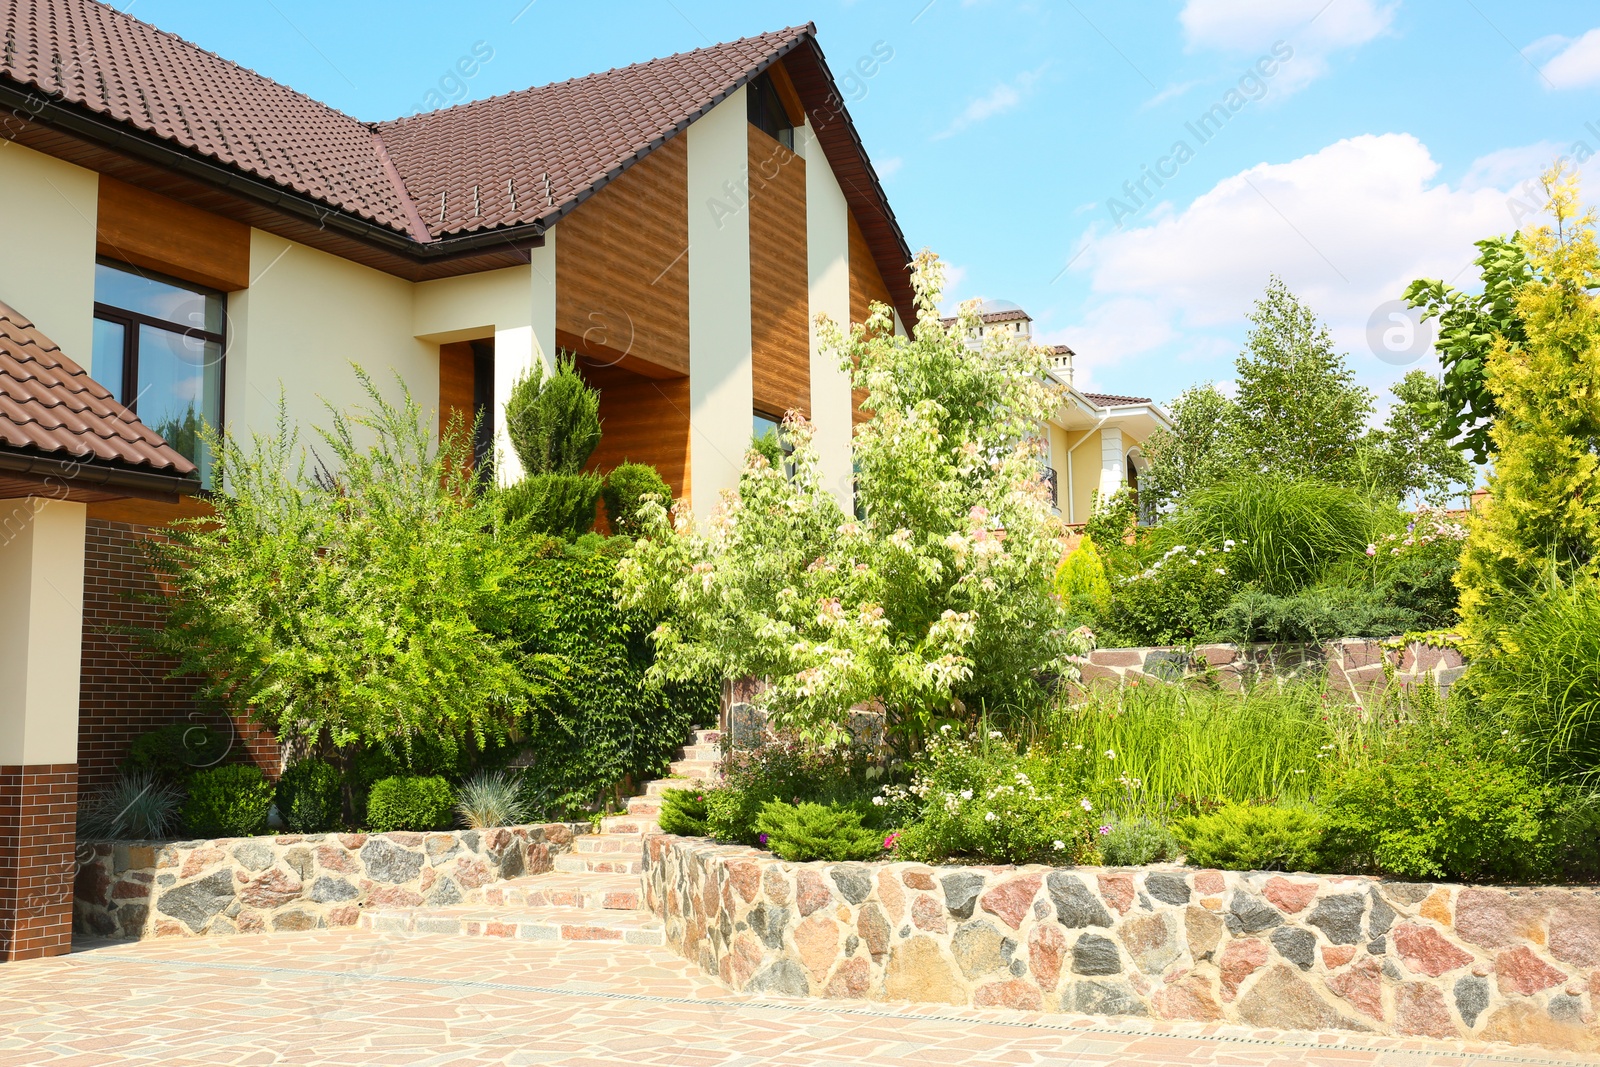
[
  {"x": 622, "y": 265},
  {"x": 866, "y": 286},
  {"x": 642, "y": 420},
  {"x": 780, "y": 297},
  {"x": 151, "y": 512},
  {"x": 456, "y": 380},
  {"x": 157, "y": 233}
]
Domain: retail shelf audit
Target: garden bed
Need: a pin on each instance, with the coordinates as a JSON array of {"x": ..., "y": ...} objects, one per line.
[
  {"x": 1285, "y": 951},
  {"x": 144, "y": 889},
  {"x": 1356, "y": 666}
]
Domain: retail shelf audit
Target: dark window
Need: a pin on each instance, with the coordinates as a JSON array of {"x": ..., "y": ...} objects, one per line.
[
  {"x": 766, "y": 110},
  {"x": 158, "y": 347},
  {"x": 483, "y": 405},
  {"x": 1051, "y": 481}
]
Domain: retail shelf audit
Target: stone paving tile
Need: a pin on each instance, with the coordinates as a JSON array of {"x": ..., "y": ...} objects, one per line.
[{"x": 352, "y": 997}]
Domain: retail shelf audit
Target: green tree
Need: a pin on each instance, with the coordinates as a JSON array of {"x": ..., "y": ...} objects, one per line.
[
  {"x": 1298, "y": 411},
  {"x": 1412, "y": 451},
  {"x": 1469, "y": 326},
  {"x": 938, "y": 598},
  {"x": 1541, "y": 521},
  {"x": 1196, "y": 452},
  {"x": 554, "y": 425}
]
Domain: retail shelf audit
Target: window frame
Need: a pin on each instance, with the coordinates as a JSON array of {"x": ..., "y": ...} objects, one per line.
[{"x": 131, "y": 321}]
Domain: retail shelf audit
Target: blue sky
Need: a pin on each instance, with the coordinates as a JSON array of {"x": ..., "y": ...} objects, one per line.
[{"x": 1393, "y": 135}]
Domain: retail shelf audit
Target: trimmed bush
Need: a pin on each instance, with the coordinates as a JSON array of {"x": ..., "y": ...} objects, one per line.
[
  {"x": 410, "y": 803},
  {"x": 1243, "y": 837},
  {"x": 1081, "y": 580},
  {"x": 557, "y": 505},
  {"x": 626, "y": 488},
  {"x": 806, "y": 831},
  {"x": 683, "y": 812},
  {"x": 309, "y": 797},
  {"x": 1136, "y": 842},
  {"x": 228, "y": 801}
]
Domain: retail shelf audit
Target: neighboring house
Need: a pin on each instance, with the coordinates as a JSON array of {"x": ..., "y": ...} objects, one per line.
[
  {"x": 206, "y": 242},
  {"x": 1095, "y": 441}
]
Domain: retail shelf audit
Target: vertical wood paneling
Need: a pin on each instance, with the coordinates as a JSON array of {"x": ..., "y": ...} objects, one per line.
[
  {"x": 456, "y": 381},
  {"x": 866, "y": 286},
  {"x": 642, "y": 420},
  {"x": 622, "y": 272},
  {"x": 779, "y": 289}
]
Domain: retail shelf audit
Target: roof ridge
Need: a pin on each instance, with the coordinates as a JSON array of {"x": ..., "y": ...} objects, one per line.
[{"x": 788, "y": 32}]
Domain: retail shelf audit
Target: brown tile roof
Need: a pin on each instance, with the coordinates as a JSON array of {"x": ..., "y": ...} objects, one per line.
[
  {"x": 116, "y": 66},
  {"x": 1109, "y": 400},
  {"x": 1015, "y": 315},
  {"x": 487, "y": 164},
  {"x": 50, "y": 406},
  {"x": 1062, "y": 350}
]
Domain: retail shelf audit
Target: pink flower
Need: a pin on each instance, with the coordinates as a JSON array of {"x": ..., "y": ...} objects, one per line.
[
  {"x": 1104, "y": 830},
  {"x": 891, "y": 841}
]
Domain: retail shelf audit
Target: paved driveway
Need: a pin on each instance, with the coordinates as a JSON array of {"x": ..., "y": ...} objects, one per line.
[{"x": 351, "y": 998}]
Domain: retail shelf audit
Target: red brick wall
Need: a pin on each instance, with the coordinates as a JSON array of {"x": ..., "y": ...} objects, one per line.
[
  {"x": 124, "y": 690},
  {"x": 38, "y": 812}
]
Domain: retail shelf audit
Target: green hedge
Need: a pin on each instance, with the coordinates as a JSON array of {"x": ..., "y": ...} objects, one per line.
[
  {"x": 230, "y": 801},
  {"x": 309, "y": 797},
  {"x": 410, "y": 803}
]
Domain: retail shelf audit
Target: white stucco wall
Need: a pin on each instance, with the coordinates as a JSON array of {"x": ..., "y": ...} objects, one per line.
[
  {"x": 828, "y": 273},
  {"x": 1113, "y": 466},
  {"x": 41, "y": 629},
  {"x": 305, "y": 319},
  {"x": 47, "y": 254},
  {"x": 516, "y": 306},
  {"x": 721, "y": 383}
]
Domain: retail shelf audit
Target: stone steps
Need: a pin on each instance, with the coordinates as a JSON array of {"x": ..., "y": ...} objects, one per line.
[
  {"x": 660, "y": 786},
  {"x": 524, "y": 923},
  {"x": 605, "y": 863},
  {"x": 629, "y": 824},
  {"x": 590, "y": 892},
  {"x": 694, "y": 768},
  {"x": 649, "y": 807},
  {"x": 608, "y": 844}
]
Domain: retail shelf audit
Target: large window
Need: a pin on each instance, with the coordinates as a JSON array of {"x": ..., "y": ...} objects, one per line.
[
  {"x": 765, "y": 109},
  {"x": 158, "y": 347}
]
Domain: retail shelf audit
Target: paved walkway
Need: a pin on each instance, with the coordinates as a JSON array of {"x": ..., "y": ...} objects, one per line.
[{"x": 354, "y": 997}]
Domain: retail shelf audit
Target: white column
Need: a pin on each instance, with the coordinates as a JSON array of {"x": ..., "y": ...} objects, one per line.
[
  {"x": 41, "y": 630},
  {"x": 828, "y": 273},
  {"x": 721, "y": 383},
  {"x": 519, "y": 343},
  {"x": 1113, "y": 471}
]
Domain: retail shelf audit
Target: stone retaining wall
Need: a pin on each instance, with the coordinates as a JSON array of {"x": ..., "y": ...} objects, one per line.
[
  {"x": 1354, "y": 666},
  {"x": 295, "y": 881},
  {"x": 1297, "y": 952}
]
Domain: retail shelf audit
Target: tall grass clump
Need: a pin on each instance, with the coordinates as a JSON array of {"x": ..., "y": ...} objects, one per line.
[
  {"x": 1545, "y": 681},
  {"x": 1283, "y": 534},
  {"x": 1161, "y": 750}
]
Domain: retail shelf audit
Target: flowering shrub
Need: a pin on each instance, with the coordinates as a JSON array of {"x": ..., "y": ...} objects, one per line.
[
  {"x": 1174, "y": 600},
  {"x": 938, "y": 598},
  {"x": 976, "y": 799}
]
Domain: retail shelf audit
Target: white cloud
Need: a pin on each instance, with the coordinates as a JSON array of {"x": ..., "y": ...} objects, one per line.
[
  {"x": 1577, "y": 64},
  {"x": 996, "y": 101},
  {"x": 888, "y": 168},
  {"x": 1507, "y": 168},
  {"x": 1346, "y": 227},
  {"x": 1171, "y": 92},
  {"x": 1313, "y": 28}
]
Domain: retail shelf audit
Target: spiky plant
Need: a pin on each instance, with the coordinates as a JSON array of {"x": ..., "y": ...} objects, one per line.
[
  {"x": 138, "y": 806},
  {"x": 492, "y": 798}
]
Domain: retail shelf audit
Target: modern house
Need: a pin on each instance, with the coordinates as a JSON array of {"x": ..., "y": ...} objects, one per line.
[
  {"x": 1094, "y": 441},
  {"x": 187, "y": 242}
]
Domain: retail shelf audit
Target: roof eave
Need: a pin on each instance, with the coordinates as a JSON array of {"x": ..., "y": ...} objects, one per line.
[{"x": 66, "y": 474}]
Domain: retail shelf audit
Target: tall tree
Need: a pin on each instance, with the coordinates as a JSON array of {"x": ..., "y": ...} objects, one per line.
[
  {"x": 1298, "y": 411},
  {"x": 1196, "y": 452},
  {"x": 1469, "y": 325},
  {"x": 1412, "y": 451},
  {"x": 1543, "y": 510}
]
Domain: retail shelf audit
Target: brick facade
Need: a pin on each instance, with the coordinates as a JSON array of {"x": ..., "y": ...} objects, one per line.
[
  {"x": 125, "y": 691},
  {"x": 38, "y": 814}
]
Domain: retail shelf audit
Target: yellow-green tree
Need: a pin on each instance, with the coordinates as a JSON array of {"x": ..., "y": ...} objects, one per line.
[{"x": 1543, "y": 510}]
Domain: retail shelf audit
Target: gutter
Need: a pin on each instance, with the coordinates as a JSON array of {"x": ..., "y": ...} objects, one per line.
[{"x": 149, "y": 485}]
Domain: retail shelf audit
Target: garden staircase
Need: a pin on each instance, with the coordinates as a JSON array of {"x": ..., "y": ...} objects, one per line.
[{"x": 596, "y": 891}]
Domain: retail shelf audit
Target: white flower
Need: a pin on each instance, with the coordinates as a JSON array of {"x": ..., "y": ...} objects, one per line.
[
  {"x": 995, "y": 735},
  {"x": 1077, "y": 748},
  {"x": 989, "y": 816},
  {"x": 966, "y": 794},
  {"x": 879, "y": 802},
  {"x": 1059, "y": 845},
  {"x": 1085, "y": 805},
  {"x": 1111, "y": 754},
  {"x": 945, "y": 728}
]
